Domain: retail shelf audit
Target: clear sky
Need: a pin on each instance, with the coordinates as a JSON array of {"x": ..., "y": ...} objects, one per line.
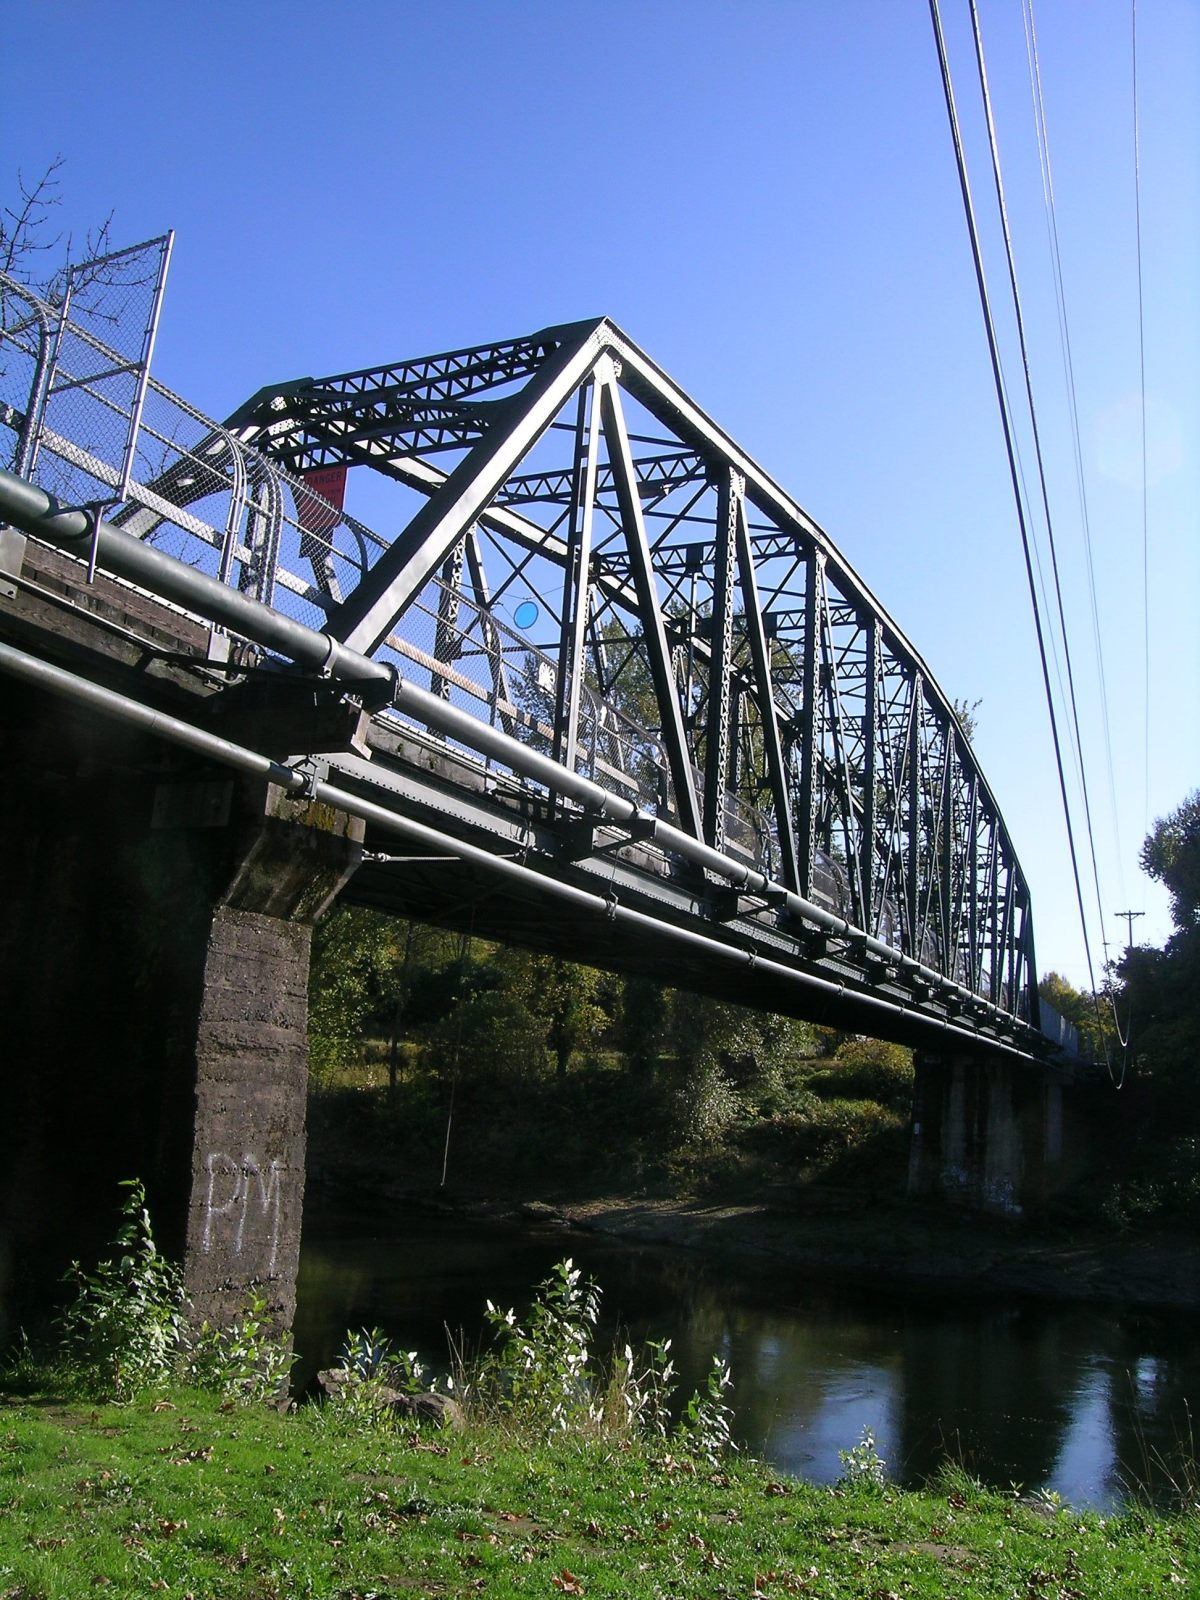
[{"x": 763, "y": 195}]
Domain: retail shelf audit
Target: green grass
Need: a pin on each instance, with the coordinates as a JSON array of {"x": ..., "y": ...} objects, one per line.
[{"x": 184, "y": 1497}]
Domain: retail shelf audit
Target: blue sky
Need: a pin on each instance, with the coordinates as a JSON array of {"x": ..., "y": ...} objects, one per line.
[{"x": 763, "y": 196}]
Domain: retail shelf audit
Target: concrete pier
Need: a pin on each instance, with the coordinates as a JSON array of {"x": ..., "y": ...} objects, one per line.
[
  {"x": 153, "y": 1006},
  {"x": 993, "y": 1135}
]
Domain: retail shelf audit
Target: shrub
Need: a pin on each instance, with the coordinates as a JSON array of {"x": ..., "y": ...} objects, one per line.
[
  {"x": 869, "y": 1069},
  {"x": 543, "y": 1377},
  {"x": 121, "y": 1331},
  {"x": 247, "y": 1361},
  {"x": 125, "y": 1329},
  {"x": 542, "y": 1372},
  {"x": 706, "y": 1426},
  {"x": 371, "y": 1371},
  {"x": 706, "y": 1105},
  {"x": 638, "y": 1395}
]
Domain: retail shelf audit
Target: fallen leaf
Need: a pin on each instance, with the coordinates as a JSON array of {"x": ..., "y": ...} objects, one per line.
[{"x": 567, "y": 1582}]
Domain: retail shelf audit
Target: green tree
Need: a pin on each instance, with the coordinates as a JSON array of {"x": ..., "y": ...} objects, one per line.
[
  {"x": 1160, "y": 1005},
  {"x": 1090, "y": 1015},
  {"x": 1162, "y": 987},
  {"x": 1171, "y": 856},
  {"x": 519, "y": 1008},
  {"x": 356, "y": 957},
  {"x": 568, "y": 997}
]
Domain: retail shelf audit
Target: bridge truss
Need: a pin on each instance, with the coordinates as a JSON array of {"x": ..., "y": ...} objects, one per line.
[{"x": 672, "y": 663}]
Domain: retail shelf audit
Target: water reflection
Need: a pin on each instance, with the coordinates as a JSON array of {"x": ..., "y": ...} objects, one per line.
[{"x": 1079, "y": 1400}]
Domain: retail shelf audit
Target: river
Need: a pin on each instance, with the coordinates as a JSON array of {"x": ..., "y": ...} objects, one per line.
[{"x": 1082, "y": 1400}]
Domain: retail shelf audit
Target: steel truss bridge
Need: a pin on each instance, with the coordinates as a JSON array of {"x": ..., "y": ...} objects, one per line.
[{"x": 601, "y": 687}]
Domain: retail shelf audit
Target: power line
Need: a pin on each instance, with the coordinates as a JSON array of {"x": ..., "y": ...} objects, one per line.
[
  {"x": 1137, "y": 208},
  {"x": 1033, "y": 58},
  {"x": 1037, "y": 445},
  {"x": 993, "y": 347}
]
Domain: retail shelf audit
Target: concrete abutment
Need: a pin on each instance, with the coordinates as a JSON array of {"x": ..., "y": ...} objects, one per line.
[{"x": 153, "y": 1008}]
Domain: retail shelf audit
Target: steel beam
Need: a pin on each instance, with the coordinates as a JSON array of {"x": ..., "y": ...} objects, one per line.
[
  {"x": 765, "y": 699},
  {"x": 674, "y": 734},
  {"x": 867, "y": 842},
  {"x": 577, "y": 579},
  {"x": 388, "y": 588},
  {"x": 719, "y": 721},
  {"x": 810, "y": 722}
]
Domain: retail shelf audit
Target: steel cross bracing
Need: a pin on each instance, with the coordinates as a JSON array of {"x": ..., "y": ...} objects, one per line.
[
  {"x": 822, "y": 716},
  {"x": 583, "y": 561}
]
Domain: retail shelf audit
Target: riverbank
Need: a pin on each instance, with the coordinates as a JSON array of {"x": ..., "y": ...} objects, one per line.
[
  {"x": 843, "y": 1236},
  {"x": 817, "y": 1186},
  {"x": 178, "y": 1493}
]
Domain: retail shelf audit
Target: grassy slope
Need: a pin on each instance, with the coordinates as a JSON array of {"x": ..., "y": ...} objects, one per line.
[{"x": 194, "y": 1500}]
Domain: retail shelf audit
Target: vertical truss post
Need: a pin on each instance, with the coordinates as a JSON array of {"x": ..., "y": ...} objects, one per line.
[
  {"x": 641, "y": 568},
  {"x": 734, "y": 776},
  {"x": 1006, "y": 938},
  {"x": 913, "y": 875},
  {"x": 722, "y": 701},
  {"x": 866, "y": 843},
  {"x": 501, "y": 698},
  {"x": 814, "y": 568},
  {"x": 965, "y": 856},
  {"x": 946, "y": 869},
  {"x": 576, "y": 570},
  {"x": 1014, "y": 948},
  {"x": 839, "y": 791},
  {"x": 991, "y": 911},
  {"x": 1029, "y": 963},
  {"x": 973, "y": 895},
  {"x": 446, "y": 641},
  {"x": 769, "y": 722}
]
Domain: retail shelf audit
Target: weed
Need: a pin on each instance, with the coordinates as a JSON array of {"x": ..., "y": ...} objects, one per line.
[
  {"x": 862, "y": 1464},
  {"x": 638, "y": 1395},
  {"x": 122, "y": 1329},
  {"x": 371, "y": 1372},
  {"x": 247, "y": 1361},
  {"x": 705, "y": 1428},
  {"x": 541, "y": 1371}
]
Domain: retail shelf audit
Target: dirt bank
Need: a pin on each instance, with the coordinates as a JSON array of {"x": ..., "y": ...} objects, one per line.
[
  {"x": 844, "y": 1235},
  {"x": 921, "y": 1247}
]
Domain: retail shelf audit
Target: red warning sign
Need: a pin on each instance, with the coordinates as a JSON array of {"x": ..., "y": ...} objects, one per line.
[{"x": 321, "y": 511}]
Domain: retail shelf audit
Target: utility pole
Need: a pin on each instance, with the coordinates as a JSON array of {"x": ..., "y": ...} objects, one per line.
[{"x": 1129, "y": 916}]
